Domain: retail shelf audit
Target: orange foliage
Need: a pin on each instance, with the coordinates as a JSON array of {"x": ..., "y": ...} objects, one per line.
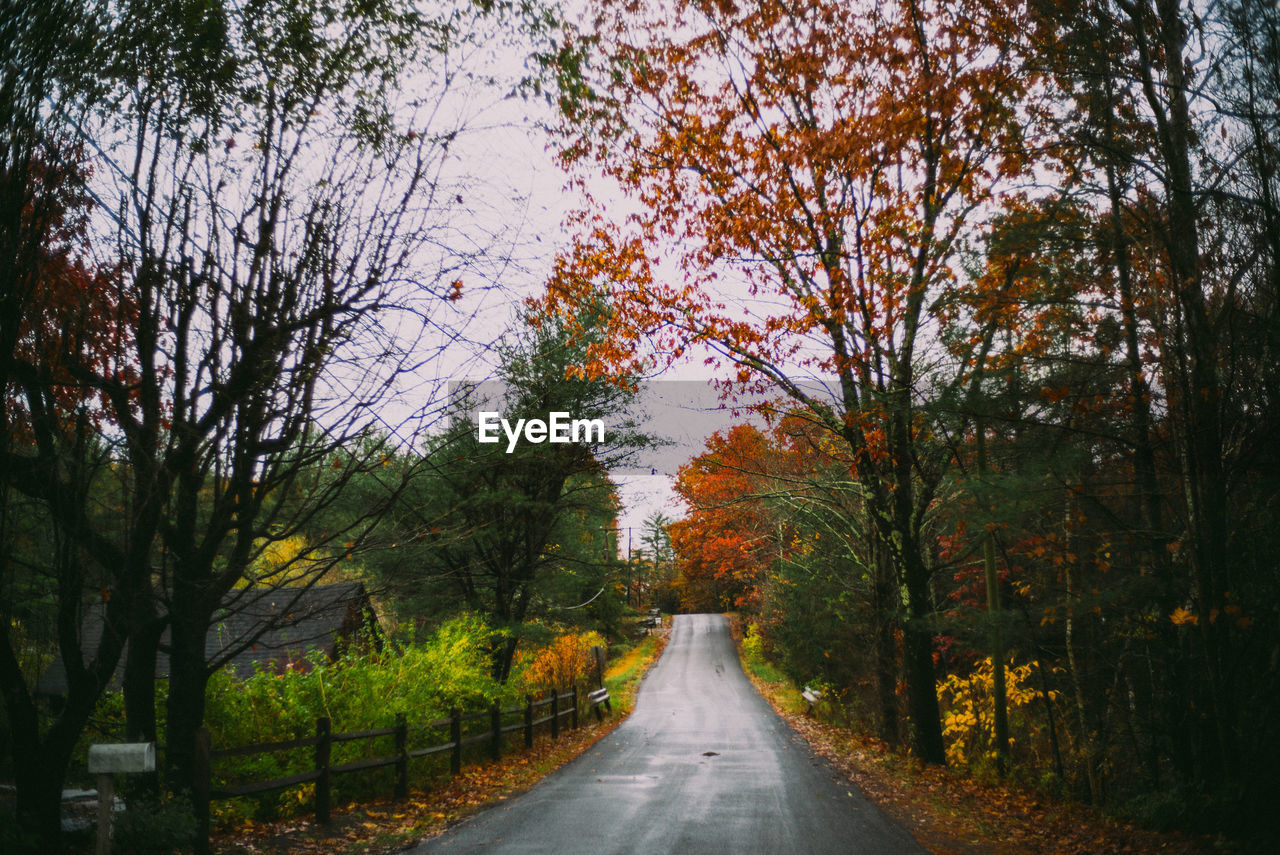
[
  {"x": 563, "y": 662},
  {"x": 729, "y": 538},
  {"x": 722, "y": 546},
  {"x": 826, "y": 159}
]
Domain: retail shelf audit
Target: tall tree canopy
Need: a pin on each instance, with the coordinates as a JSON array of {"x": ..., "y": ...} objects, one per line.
[
  {"x": 1029, "y": 252},
  {"x": 828, "y": 163}
]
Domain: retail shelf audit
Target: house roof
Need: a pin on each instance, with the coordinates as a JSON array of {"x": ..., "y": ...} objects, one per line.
[{"x": 253, "y": 625}]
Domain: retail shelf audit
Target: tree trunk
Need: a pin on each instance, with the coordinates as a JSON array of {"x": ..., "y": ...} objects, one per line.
[
  {"x": 140, "y": 694},
  {"x": 1204, "y": 481},
  {"x": 922, "y": 694},
  {"x": 884, "y": 605},
  {"x": 140, "y": 682},
  {"x": 1000, "y": 718},
  {"x": 998, "y": 694},
  {"x": 41, "y": 762},
  {"x": 38, "y": 779},
  {"x": 187, "y": 681},
  {"x": 922, "y": 688},
  {"x": 1089, "y": 737}
]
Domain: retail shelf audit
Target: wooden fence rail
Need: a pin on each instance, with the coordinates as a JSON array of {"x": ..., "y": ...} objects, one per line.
[{"x": 324, "y": 739}]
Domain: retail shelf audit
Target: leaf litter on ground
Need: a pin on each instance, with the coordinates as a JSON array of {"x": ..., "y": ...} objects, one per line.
[{"x": 952, "y": 813}]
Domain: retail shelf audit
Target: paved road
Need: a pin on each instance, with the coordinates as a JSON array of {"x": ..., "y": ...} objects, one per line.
[{"x": 703, "y": 765}]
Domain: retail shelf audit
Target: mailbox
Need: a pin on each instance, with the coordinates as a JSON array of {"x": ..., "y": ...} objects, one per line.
[
  {"x": 107, "y": 760},
  {"x": 125, "y": 757}
]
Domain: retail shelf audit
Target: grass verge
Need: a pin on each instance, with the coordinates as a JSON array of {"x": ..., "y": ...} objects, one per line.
[{"x": 623, "y": 676}]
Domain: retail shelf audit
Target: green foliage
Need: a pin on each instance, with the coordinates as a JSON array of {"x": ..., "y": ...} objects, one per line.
[
  {"x": 753, "y": 655},
  {"x": 105, "y": 725},
  {"x": 363, "y": 690},
  {"x": 359, "y": 691},
  {"x": 516, "y": 534},
  {"x": 1158, "y": 810}
]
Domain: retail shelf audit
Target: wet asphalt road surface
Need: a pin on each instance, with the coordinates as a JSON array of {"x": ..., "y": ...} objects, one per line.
[{"x": 703, "y": 765}]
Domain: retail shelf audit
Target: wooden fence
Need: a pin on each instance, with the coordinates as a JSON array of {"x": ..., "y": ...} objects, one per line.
[{"x": 499, "y": 726}]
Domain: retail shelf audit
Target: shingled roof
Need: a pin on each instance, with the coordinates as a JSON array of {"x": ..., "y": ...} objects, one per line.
[
  {"x": 296, "y": 622},
  {"x": 255, "y": 627}
]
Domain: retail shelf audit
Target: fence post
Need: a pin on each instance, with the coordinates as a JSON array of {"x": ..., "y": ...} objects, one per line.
[
  {"x": 323, "y": 744},
  {"x": 597, "y": 658},
  {"x": 573, "y": 718},
  {"x": 402, "y": 757},
  {"x": 495, "y": 721},
  {"x": 555, "y": 713},
  {"x": 528, "y": 721},
  {"x": 455, "y": 735},
  {"x": 200, "y": 798}
]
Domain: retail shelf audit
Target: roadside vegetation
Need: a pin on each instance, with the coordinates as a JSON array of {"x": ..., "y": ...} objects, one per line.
[
  {"x": 956, "y": 811},
  {"x": 382, "y": 825}
]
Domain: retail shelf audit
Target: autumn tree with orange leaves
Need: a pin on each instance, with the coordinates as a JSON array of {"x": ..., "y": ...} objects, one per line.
[
  {"x": 722, "y": 547},
  {"x": 775, "y": 526},
  {"x": 1053, "y": 379},
  {"x": 826, "y": 163}
]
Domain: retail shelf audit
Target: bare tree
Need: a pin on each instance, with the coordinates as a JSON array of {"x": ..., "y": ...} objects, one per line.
[
  {"x": 272, "y": 181},
  {"x": 56, "y": 313}
]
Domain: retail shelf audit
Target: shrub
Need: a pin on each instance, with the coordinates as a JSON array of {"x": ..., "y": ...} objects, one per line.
[
  {"x": 968, "y": 715},
  {"x": 564, "y": 661},
  {"x": 753, "y": 643},
  {"x": 362, "y": 690}
]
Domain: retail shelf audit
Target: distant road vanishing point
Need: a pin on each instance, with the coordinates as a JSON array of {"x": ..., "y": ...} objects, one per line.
[{"x": 703, "y": 765}]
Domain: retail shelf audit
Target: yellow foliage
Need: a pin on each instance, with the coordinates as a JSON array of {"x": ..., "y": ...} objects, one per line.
[
  {"x": 287, "y": 561},
  {"x": 968, "y": 718},
  {"x": 32, "y": 655},
  {"x": 563, "y": 662}
]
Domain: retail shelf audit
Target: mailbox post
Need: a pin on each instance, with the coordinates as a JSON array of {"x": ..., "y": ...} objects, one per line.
[
  {"x": 107, "y": 760},
  {"x": 597, "y": 656}
]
